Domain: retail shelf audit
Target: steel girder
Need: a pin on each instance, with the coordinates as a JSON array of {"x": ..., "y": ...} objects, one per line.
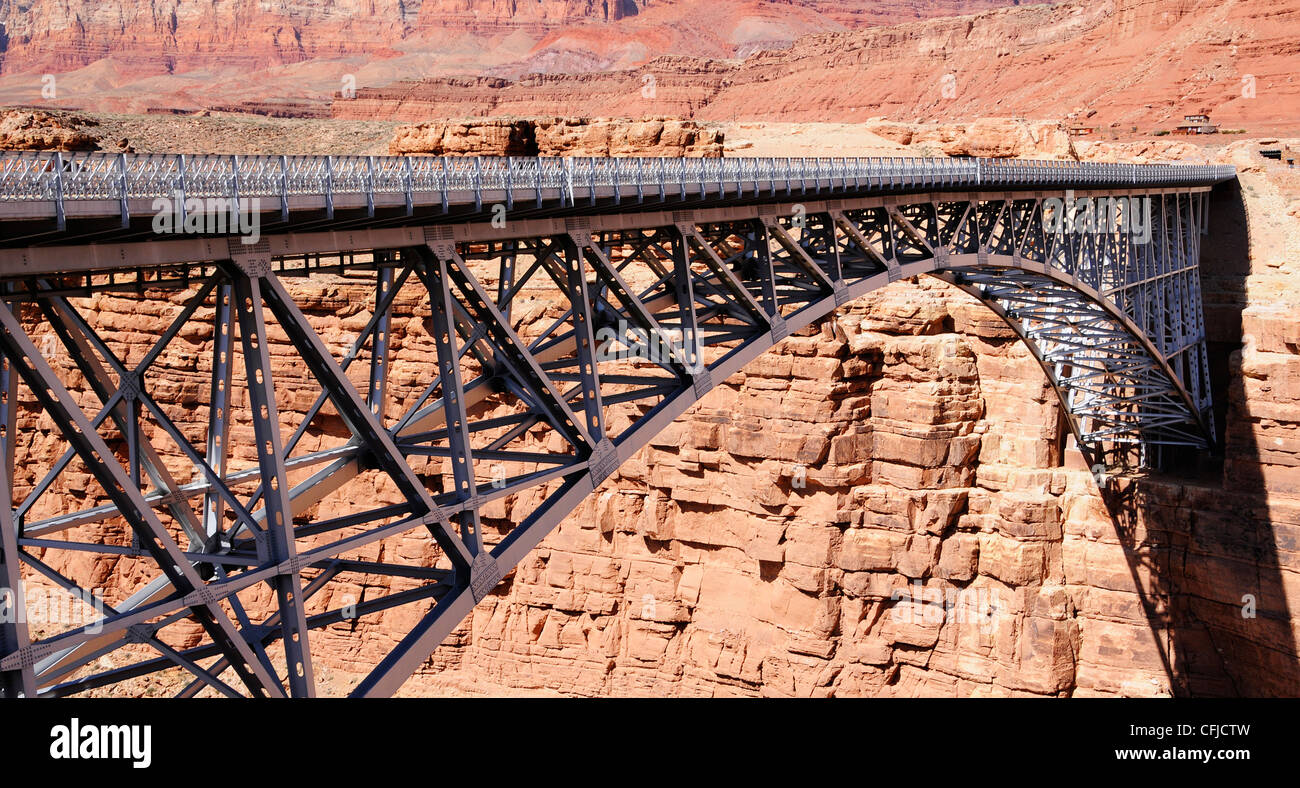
[{"x": 652, "y": 313}]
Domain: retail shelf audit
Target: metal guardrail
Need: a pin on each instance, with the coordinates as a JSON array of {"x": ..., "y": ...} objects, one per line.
[{"x": 105, "y": 176}]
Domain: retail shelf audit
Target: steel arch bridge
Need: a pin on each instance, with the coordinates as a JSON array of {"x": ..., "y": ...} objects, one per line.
[{"x": 669, "y": 276}]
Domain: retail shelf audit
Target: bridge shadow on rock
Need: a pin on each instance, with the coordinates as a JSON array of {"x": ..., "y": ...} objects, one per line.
[
  {"x": 1204, "y": 562},
  {"x": 1207, "y": 540}
]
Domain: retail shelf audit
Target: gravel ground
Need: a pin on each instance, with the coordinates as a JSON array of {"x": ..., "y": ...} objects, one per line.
[{"x": 234, "y": 134}]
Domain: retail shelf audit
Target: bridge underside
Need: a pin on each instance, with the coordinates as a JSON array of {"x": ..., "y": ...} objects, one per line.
[{"x": 554, "y": 350}]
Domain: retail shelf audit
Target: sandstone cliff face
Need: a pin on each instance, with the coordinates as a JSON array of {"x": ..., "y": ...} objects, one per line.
[
  {"x": 488, "y": 138},
  {"x": 801, "y": 530},
  {"x": 607, "y": 137},
  {"x": 136, "y": 40},
  {"x": 993, "y": 138},
  {"x": 468, "y": 13},
  {"x": 559, "y": 137},
  {"x": 23, "y": 130},
  {"x": 1120, "y": 63},
  {"x": 160, "y": 37}
]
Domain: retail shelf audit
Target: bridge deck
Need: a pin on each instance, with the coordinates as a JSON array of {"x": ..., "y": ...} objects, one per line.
[{"x": 80, "y": 198}]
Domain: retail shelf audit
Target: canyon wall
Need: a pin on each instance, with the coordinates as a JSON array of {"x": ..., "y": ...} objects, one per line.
[
  {"x": 172, "y": 36},
  {"x": 1147, "y": 63},
  {"x": 162, "y": 37}
]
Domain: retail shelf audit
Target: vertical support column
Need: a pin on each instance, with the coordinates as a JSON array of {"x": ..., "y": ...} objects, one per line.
[
  {"x": 453, "y": 398},
  {"x": 13, "y": 606},
  {"x": 1161, "y": 250},
  {"x": 124, "y": 189},
  {"x": 223, "y": 346},
  {"x": 1146, "y": 263},
  {"x": 766, "y": 272},
  {"x": 1179, "y": 281},
  {"x": 1202, "y": 360},
  {"x": 832, "y": 252},
  {"x": 506, "y": 280},
  {"x": 684, "y": 286},
  {"x": 1059, "y": 240},
  {"x": 376, "y": 393},
  {"x": 8, "y": 422},
  {"x": 275, "y": 484},
  {"x": 131, "y": 398},
  {"x": 584, "y": 337}
]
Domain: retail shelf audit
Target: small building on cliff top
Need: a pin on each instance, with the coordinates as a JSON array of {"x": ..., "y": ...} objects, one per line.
[{"x": 1196, "y": 124}]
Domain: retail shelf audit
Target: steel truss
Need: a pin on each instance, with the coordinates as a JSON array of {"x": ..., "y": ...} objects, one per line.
[{"x": 658, "y": 307}]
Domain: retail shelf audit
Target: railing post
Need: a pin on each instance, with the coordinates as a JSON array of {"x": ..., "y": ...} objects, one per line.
[
  {"x": 539, "y": 183},
  {"x": 443, "y": 164},
  {"x": 60, "y": 218},
  {"x": 510, "y": 182},
  {"x": 478, "y": 183},
  {"x": 409, "y": 178},
  {"x": 234, "y": 183},
  {"x": 370, "y": 186},
  {"x": 567, "y": 189},
  {"x": 329, "y": 187},
  {"x": 180, "y": 190},
  {"x": 284, "y": 188},
  {"x": 122, "y": 186}
]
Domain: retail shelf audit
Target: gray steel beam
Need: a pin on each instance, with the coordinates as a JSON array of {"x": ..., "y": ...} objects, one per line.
[
  {"x": 219, "y": 400},
  {"x": 457, "y": 418},
  {"x": 20, "y": 680},
  {"x": 246, "y": 279}
]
